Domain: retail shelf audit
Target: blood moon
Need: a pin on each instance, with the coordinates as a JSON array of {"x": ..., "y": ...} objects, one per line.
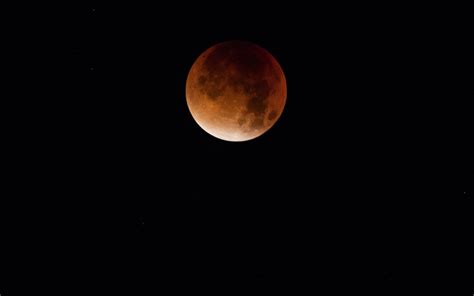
[{"x": 236, "y": 91}]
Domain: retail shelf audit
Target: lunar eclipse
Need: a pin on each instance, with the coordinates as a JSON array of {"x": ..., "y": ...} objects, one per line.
[{"x": 236, "y": 91}]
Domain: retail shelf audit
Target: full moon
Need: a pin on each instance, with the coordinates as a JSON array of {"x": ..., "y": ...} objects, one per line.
[{"x": 236, "y": 91}]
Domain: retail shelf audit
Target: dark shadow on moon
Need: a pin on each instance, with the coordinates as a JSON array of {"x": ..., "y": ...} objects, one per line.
[
  {"x": 247, "y": 58},
  {"x": 250, "y": 64}
]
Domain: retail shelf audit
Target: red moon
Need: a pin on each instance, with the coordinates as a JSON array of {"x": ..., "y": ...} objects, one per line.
[{"x": 236, "y": 91}]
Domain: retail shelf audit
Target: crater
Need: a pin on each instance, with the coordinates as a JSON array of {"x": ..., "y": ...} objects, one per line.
[
  {"x": 241, "y": 121},
  {"x": 202, "y": 80},
  {"x": 272, "y": 115},
  {"x": 213, "y": 93},
  {"x": 257, "y": 123}
]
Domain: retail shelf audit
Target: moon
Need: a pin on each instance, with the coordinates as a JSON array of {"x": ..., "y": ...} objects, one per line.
[{"x": 236, "y": 91}]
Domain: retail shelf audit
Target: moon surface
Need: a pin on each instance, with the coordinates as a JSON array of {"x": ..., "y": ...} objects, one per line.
[{"x": 236, "y": 91}]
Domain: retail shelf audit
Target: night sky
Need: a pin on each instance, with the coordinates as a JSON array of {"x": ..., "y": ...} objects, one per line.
[{"x": 363, "y": 185}]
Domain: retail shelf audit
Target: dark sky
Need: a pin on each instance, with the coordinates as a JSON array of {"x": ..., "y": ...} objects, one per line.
[{"x": 363, "y": 185}]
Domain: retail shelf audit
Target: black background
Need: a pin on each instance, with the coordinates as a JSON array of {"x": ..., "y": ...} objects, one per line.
[{"x": 363, "y": 185}]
